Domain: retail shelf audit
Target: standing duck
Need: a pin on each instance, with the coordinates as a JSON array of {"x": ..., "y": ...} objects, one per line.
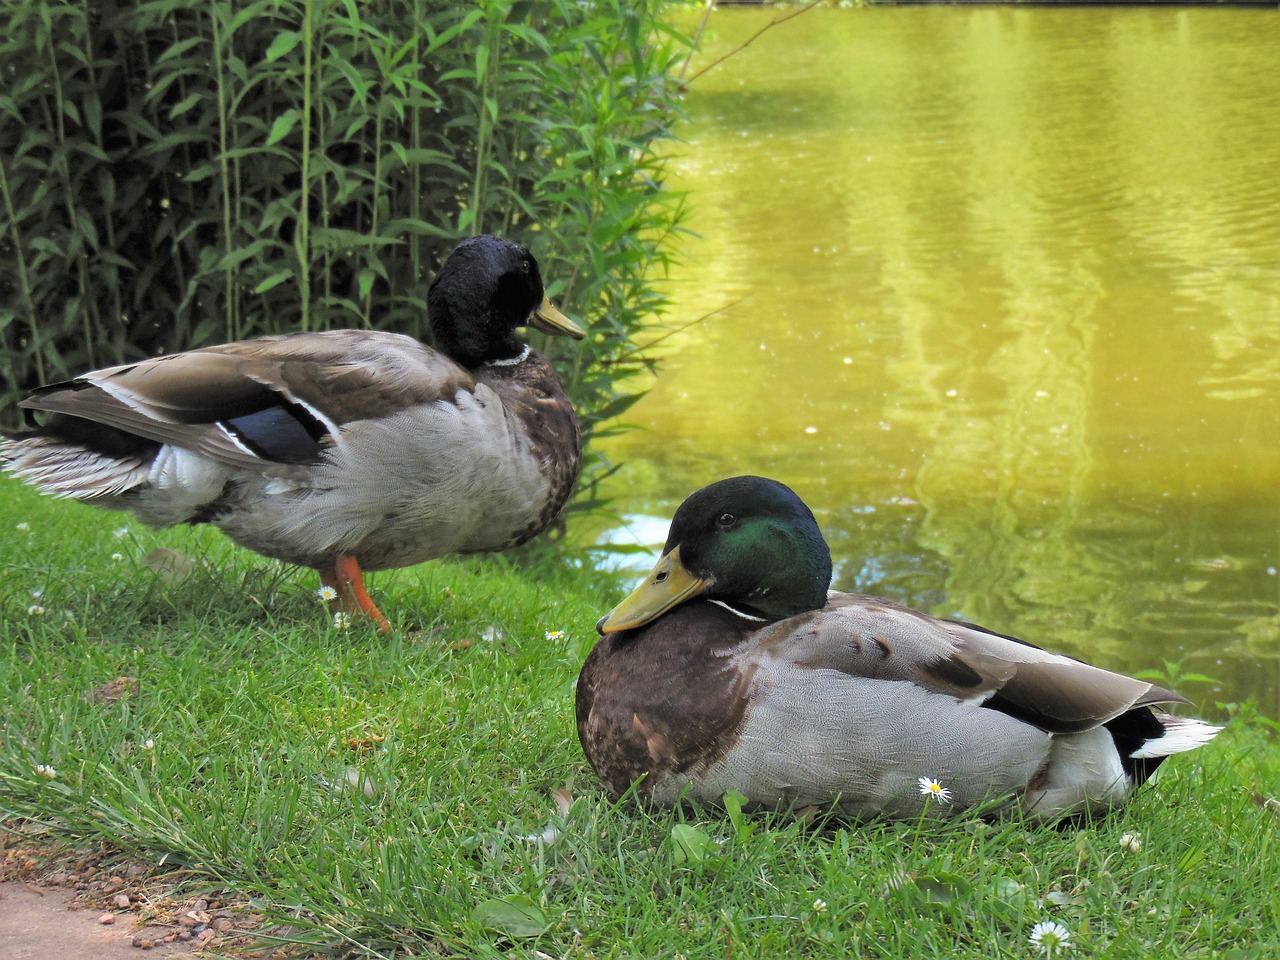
[
  {"x": 731, "y": 667},
  {"x": 345, "y": 451}
]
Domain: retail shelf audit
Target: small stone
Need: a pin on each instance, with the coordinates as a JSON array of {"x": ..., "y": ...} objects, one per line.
[
  {"x": 205, "y": 935},
  {"x": 115, "y": 882},
  {"x": 222, "y": 924},
  {"x": 122, "y": 901},
  {"x": 107, "y": 919},
  {"x": 189, "y": 920},
  {"x": 144, "y": 943},
  {"x": 200, "y": 905},
  {"x": 183, "y": 935}
]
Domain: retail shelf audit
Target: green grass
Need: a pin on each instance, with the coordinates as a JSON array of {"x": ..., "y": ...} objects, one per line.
[{"x": 251, "y": 705}]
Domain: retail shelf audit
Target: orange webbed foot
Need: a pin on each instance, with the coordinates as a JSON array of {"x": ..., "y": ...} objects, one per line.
[{"x": 347, "y": 580}]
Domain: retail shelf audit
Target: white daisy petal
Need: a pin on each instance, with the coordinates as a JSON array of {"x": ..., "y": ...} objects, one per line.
[
  {"x": 1049, "y": 936},
  {"x": 934, "y": 790}
]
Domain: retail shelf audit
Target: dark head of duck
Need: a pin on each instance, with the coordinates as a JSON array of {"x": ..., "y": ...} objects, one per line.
[
  {"x": 485, "y": 290},
  {"x": 757, "y": 545}
]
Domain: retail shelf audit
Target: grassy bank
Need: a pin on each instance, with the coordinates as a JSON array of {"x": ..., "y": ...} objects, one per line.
[{"x": 235, "y": 755}]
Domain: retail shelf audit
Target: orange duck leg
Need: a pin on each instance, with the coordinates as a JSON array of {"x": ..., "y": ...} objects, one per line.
[{"x": 348, "y": 581}]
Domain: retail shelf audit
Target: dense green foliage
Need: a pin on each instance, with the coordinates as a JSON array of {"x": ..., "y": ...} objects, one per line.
[
  {"x": 229, "y": 759},
  {"x": 179, "y": 172}
]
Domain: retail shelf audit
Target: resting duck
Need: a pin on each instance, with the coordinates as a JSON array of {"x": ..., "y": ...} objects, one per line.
[
  {"x": 344, "y": 451},
  {"x": 732, "y": 668}
]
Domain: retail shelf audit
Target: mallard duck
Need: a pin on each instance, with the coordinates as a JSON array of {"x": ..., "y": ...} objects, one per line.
[
  {"x": 345, "y": 451},
  {"x": 731, "y": 667}
]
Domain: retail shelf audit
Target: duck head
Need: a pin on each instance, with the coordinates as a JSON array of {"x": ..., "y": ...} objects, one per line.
[
  {"x": 487, "y": 288},
  {"x": 748, "y": 542}
]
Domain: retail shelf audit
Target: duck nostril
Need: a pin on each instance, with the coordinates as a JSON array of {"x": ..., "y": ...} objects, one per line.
[{"x": 661, "y": 577}]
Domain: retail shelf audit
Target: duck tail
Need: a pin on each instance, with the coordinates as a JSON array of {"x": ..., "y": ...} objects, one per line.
[
  {"x": 1178, "y": 735},
  {"x": 61, "y": 467}
]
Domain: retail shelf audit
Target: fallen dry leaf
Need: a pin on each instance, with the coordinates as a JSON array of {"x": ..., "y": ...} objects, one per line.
[
  {"x": 168, "y": 563},
  {"x": 113, "y": 690},
  {"x": 551, "y": 832}
]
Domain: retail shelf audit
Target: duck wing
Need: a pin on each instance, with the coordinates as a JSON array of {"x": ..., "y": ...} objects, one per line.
[
  {"x": 876, "y": 639},
  {"x": 275, "y": 400}
]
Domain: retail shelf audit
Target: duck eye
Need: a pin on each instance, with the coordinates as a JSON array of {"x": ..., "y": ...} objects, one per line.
[
  {"x": 525, "y": 266},
  {"x": 726, "y": 520}
]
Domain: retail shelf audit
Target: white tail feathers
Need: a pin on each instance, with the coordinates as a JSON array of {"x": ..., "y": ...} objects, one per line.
[
  {"x": 64, "y": 470},
  {"x": 1180, "y": 735}
]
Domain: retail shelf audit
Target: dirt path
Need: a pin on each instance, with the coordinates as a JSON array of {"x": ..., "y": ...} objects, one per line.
[
  {"x": 63, "y": 903},
  {"x": 40, "y": 923}
]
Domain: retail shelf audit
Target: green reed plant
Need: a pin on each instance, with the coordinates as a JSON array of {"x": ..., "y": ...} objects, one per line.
[{"x": 180, "y": 172}]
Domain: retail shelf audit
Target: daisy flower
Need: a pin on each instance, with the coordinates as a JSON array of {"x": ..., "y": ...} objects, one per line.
[
  {"x": 1050, "y": 936},
  {"x": 22, "y": 526},
  {"x": 934, "y": 790},
  {"x": 327, "y": 593},
  {"x": 35, "y": 610},
  {"x": 554, "y": 635}
]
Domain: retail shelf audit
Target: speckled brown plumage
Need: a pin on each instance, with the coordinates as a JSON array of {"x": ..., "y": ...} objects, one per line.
[
  {"x": 663, "y": 701},
  {"x": 531, "y": 391}
]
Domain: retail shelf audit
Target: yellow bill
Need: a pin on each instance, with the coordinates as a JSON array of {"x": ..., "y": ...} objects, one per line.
[
  {"x": 550, "y": 320},
  {"x": 668, "y": 585}
]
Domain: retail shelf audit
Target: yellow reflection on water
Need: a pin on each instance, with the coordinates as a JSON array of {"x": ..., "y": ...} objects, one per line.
[{"x": 1010, "y": 317}]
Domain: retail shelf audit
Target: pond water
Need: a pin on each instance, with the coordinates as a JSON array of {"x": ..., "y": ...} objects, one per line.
[{"x": 997, "y": 291}]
